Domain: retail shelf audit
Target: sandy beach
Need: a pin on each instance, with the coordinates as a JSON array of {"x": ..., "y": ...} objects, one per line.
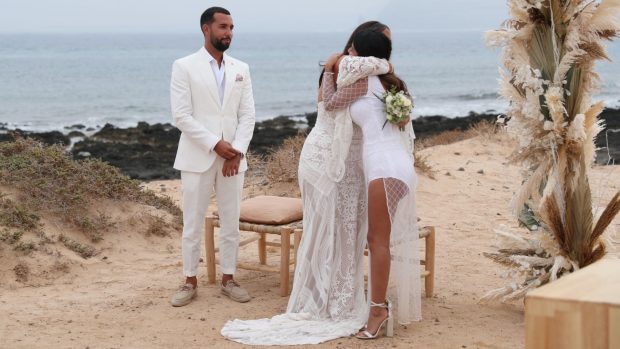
[
  {"x": 119, "y": 298},
  {"x": 511, "y": 101}
]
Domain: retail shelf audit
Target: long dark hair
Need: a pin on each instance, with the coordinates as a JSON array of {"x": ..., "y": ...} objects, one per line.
[
  {"x": 370, "y": 43},
  {"x": 375, "y": 26},
  {"x": 370, "y": 25}
]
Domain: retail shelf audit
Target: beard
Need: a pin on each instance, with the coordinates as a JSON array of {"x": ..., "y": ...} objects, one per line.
[{"x": 220, "y": 45}]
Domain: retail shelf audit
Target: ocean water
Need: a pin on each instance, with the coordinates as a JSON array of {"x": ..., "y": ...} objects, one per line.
[{"x": 51, "y": 81}]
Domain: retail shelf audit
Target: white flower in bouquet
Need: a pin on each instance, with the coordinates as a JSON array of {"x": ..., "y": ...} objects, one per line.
[{"x": 398, "y": 106}]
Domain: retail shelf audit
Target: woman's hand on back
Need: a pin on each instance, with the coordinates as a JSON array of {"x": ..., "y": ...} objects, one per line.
[
  {"x": 402, "y": 124},
  {"x": 331, "y": 62}
]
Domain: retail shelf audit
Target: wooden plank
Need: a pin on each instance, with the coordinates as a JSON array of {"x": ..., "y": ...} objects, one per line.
[
  {"x": 285, "y": 255},
  {"x": 296, "y": 242},
  {"x": 262, "y": 249},
  {"x": 210, "y": 249},
  {"x": 254, "y": 267},
  {"x": 578, "y": 311},
  {"x": 424, "y": 231},
  {"x": 604, "y": 274},
  {"x": 429, "y": 262},
  {"x": 614, "y": 323}
]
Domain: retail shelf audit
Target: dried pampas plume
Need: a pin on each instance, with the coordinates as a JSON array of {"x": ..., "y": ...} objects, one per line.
[{"x": 549, "y": 48}]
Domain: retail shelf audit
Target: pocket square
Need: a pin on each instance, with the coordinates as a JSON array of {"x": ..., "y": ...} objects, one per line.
[{"x": 239, "y": 77}]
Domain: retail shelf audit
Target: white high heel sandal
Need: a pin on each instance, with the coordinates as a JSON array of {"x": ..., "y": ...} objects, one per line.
[{"x": 388, "y": 322}]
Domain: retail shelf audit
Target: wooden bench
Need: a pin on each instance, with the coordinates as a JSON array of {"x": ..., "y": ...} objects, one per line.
[
  {"x": 284, "y": 232},
  {"x": 578, "y": 311}
]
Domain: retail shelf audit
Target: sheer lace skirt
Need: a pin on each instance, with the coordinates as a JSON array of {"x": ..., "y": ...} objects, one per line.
[
  {"x": 393, "y": 162},
  {"x": 329, "y": 275},
  {"x": 328, "y": 299},
  {"x": 405, "y": 283}
]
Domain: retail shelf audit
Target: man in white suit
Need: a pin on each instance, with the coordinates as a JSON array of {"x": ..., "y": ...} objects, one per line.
[{"x": 213, "y": 106}]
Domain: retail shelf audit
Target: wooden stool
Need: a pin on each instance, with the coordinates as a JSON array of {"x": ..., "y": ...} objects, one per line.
[
  {"x": 284, "y": 231},
  {"x": 428, "y": 234}
]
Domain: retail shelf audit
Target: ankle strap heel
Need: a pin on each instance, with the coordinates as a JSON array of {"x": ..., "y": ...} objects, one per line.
[{"x": 388, "y": 322}]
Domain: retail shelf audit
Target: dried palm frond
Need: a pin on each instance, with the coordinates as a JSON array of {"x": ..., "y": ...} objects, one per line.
[
  {"x": 530, "y": 187},
  {"x": 501, "y": 258},
  {"x": 605, "y": 219},
  {"x": 592, "y": 113},
  {"x": 536, "y": 16},
  {"x": 541, "y": 51},
  {"x": 574, "y": 84},
  {"x": 518, "y": 11},
  {"x": 593, "y": 127},
  {"x": 549, "y": 51},
  {"x": 553, "y": 219},
  {"x": 578, "y": 228},
  {"x": 605, "y": 17},
  {"x": 592, "y": 51},
  {"x": 607, "y": 34}
]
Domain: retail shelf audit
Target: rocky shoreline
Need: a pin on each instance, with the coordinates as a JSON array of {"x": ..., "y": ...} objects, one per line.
[{"x": 147, "y": 152}]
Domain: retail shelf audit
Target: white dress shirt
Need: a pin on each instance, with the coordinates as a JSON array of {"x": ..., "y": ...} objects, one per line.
[{"x": 219, "y": 71}]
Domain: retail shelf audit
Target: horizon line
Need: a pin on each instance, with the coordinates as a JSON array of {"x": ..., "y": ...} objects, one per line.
[{"x": 239, "y": 32}]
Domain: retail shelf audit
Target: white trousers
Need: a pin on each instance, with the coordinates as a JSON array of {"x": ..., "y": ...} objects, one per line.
[{"x": 197, "y": 189}]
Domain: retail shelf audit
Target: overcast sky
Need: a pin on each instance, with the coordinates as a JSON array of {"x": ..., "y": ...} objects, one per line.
[{"x": 181, "y": 16}]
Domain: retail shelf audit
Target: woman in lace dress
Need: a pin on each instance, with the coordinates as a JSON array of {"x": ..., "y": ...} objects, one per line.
[
  {"x": 327, "y": 300},
  {"x": 390, "y": 184}
]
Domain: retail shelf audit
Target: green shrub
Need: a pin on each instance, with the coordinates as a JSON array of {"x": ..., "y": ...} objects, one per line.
[{"x": 51, "y": 182}]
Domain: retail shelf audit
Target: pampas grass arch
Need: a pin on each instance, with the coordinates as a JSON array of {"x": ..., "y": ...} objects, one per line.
[{"x": 549, "y": 48}]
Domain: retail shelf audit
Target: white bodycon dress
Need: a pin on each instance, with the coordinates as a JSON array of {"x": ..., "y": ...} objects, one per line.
[{"x": 384, "y": 152}]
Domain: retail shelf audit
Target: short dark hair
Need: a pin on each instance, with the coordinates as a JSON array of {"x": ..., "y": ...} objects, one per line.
[{"x": 207, "y": 16}]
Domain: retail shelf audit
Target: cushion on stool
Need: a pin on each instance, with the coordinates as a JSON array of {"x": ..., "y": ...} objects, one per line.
[{"x": 270, "y": 210}]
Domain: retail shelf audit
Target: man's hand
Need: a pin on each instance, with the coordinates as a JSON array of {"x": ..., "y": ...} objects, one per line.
[
  {"x": 225, "y": 150},
  {"x": 231, "y": 166}
]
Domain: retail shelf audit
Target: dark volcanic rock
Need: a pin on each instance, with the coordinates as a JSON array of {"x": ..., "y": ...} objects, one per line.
[
  {"x": 73, "y": 134},
  {"x": 427, "y": 126},
  {"x": 610, "y": 136},
  {"x": 139, "y": 161},
  {"x": 147, "y": 151},
  {"x": 143, "y": 134},
  {"x": 311, "y": 119},
  {"x": 271, "y": 133},
  {"x": 143, "y": 152},
  {"x": 48, "y": 138},
  {"x": 75, "y": 127},
  {"x": 53, "y": 137}
]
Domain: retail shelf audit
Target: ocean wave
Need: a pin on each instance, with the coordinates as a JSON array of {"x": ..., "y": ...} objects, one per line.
[{"x": 476, "y": 96}]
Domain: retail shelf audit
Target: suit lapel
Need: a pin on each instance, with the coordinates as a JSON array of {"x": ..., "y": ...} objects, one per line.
[
  {"x": 230, "y": 74},
  {"x": 208, "y": 77}
]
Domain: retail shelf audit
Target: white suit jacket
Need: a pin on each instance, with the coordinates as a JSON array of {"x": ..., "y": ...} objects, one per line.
[{"x": 197, "y": 111}]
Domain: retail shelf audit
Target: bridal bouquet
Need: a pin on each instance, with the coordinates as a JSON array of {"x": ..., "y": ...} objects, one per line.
[{"x": 398, "y": 106}]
